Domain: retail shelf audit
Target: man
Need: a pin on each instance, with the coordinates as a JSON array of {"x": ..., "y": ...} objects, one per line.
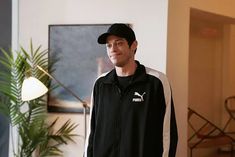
[{"x": 132, "y": 108}]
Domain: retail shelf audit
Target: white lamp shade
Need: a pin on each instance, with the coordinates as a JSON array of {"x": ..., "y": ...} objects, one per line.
[{"x": 32, "y": 88}]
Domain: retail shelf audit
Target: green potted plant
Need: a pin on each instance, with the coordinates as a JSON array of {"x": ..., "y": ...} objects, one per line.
[{"x": 36, "y": 136}]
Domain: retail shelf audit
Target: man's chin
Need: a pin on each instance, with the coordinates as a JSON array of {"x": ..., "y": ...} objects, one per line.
[{"x": 119, "y": 65}]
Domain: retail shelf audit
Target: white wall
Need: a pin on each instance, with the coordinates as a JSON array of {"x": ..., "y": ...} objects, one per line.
[
  {"x": 149, "y": 22},
  {"x": 149, "y": 19}
]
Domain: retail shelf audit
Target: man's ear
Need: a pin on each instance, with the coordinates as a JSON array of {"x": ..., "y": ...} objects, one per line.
[{"x": 134, "y": 45}]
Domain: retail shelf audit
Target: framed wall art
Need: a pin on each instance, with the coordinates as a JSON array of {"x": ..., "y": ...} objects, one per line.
[{"x": 80, "y": 60}]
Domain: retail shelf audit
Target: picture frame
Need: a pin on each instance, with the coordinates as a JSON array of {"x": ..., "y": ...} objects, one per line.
[{"x": 79, "y": 62}]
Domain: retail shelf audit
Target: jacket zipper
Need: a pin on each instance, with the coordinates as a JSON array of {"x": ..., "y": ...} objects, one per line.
[{"x": 118, "y": 122}]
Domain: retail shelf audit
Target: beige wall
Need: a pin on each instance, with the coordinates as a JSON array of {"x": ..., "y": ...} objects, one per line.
[
  {"x": 229, "y": 61},
  {"x": 178, "y": 54},
  {"x": 228, "y": 66},
  {"x": 205, "y": 69},
  {"x": 177, "y": 65}
]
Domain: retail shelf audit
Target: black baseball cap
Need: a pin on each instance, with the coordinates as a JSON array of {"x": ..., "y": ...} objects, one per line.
[{"x": 120, "y": 30}]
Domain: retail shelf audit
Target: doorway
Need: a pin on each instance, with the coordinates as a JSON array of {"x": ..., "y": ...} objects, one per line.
[{"x": 211, "y": 65}]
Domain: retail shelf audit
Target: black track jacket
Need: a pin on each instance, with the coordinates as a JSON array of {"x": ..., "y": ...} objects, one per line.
[{"x": 137, "y": 122}]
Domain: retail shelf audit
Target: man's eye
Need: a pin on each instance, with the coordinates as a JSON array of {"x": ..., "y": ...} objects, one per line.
[
  {"x": 108, "y": 45},
  {"x": 120, "y": 43}
]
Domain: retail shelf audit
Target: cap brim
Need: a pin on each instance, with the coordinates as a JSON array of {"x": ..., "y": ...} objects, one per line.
[{"x": 102, "y": 38}]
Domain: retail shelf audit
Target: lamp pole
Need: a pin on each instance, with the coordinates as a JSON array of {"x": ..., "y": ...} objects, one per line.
[{"x": 84, "y": 104}]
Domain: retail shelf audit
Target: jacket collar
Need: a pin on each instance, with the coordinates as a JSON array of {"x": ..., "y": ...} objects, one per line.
[{"x": 139, "y": 75}]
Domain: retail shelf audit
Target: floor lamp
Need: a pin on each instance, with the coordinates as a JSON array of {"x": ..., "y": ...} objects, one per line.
[{"x": 32, "y": 88}]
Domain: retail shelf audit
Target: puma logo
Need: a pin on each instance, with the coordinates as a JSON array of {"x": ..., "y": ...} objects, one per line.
[{"x": 140, "y": 97}]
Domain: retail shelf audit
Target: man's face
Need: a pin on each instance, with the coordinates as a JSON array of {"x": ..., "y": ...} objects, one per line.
[{"x": 119, "y": 52}]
